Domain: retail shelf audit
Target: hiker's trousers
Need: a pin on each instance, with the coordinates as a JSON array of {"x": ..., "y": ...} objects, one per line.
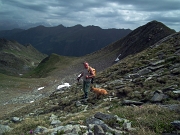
[{"x": 86, "y": 87}]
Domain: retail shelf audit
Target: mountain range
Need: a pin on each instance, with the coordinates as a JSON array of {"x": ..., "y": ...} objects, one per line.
[{"x": 67, "y": 41}]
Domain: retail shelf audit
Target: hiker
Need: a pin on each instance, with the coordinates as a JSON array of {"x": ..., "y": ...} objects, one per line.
[{"x": 87, "y": 74}]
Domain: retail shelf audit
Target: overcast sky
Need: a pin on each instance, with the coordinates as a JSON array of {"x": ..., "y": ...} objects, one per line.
[{"x": 103, "y": 13}]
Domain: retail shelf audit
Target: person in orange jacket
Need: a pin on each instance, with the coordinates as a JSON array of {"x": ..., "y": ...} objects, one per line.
[{"x": 87, "y": 75}]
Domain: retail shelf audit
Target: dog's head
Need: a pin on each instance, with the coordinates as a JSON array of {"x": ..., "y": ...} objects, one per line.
[{"x": 91, "y": 88}]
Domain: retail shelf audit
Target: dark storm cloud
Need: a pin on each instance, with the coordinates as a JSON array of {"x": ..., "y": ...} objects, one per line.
[
  {"x": 104, "y": 13},
  {"x": 25, "y": 5}
]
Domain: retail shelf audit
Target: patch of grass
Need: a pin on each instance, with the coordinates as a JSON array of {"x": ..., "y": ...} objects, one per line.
[
  {"x": 27, "y": 126},
  {"x": 60, "y": 132},
  {"x": 17, "y": 82},
  {"x": 152, "y": 118}
]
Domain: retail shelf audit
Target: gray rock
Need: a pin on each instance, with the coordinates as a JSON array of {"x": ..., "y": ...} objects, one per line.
[
  {"x": 53, "y": 117},
  {"x": 175, "y": 71},
  {"x": 158, "y": 97},
  {"x": 78, "y": 103},
  {"x": 127, "y": 126},
  {"x": 173, "y": 107},
  {"x": 129, "y": 102},
  {"x": 94, "y": 121},
  {"x": 176, "y": 91},
  {"x": 98, "y": 130},
  {"x": 104, "y": 117},
  {"x": 16, "y": 119},
  {"x": 4, "y": 128},
  {"x": 157, "y": 62},
  {"x": 144, "y": 71},
  {"x": 106, "y": 128},
  {"x": 177, "y": 52},
  {"x": 55, "y": 122},
  {"x": 176, "y": 124},
  {"x": 69, "y": 128},
  {"x": 39, "y": 130},
  {"x": 155, "y": 67},
  {"x": 170, "y": 88}
]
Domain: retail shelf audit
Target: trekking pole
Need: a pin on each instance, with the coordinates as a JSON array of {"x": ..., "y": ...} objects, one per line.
[
  {"x": 76, "y": 88},
  {"x": 77, "y": 85},
  {"x": 79, "y": 76}
]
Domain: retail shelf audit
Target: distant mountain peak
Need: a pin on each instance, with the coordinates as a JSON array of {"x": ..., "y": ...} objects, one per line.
[
  {"x": 60, "y": 26},
  {"x": 78, "y": 26}
]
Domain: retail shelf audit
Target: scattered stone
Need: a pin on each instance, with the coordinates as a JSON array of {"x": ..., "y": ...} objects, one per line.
[
  {"x": 53, "y": 117},
  {"x": 156, "y": 67},
  {"x": 158, "y": 96},
  {"x": 127, "y": 125},
  {"x": 157, "y": 62},
  {"x": 98, "y": 130},
  {"x": 176, "y": 124},
  {"x": 39, "y": 129},
  {"x": 144, "y": 71},
  {"x": 93, "y": 120},
  {"x": 78, "y": 103},
  {"x": 16, "y": 119},
  {"x": 104, "y": 117},
  {"x": 176, "y": 91},
  {"x": 4, "y": 128},
  {"x": 56, "y": 122},
  {"x": 130, "y": 102},
  {"x": 173, "y": 107},
  {"x": 175, "y": 71}
]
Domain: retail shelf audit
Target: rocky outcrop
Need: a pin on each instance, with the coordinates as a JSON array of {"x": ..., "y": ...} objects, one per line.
[{"x": 100, "y": 123}]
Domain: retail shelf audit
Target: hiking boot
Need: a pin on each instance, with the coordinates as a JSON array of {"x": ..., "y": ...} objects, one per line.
[{"x": 85, "y": 100}]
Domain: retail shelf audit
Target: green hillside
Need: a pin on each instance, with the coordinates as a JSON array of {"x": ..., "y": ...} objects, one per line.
[{"x": 16, "y": 59}]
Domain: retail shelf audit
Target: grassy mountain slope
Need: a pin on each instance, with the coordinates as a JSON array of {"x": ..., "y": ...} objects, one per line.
[
  {"x": 136, "y": 77},
  {"x": 17, "y": 59},
  {"x": 51, "y": 63}
]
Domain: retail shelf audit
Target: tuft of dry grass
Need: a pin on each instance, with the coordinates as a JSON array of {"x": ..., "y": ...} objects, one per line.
[
  {"x": 27, "y": 126},
  {"x": 148, "y": 119}
]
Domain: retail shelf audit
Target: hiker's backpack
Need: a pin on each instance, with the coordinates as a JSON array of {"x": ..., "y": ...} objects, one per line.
[{"x": 94, "y": 72}]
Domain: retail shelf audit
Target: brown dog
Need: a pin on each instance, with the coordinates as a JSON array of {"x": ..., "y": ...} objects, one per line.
[{"x": 99, "y": 91}]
